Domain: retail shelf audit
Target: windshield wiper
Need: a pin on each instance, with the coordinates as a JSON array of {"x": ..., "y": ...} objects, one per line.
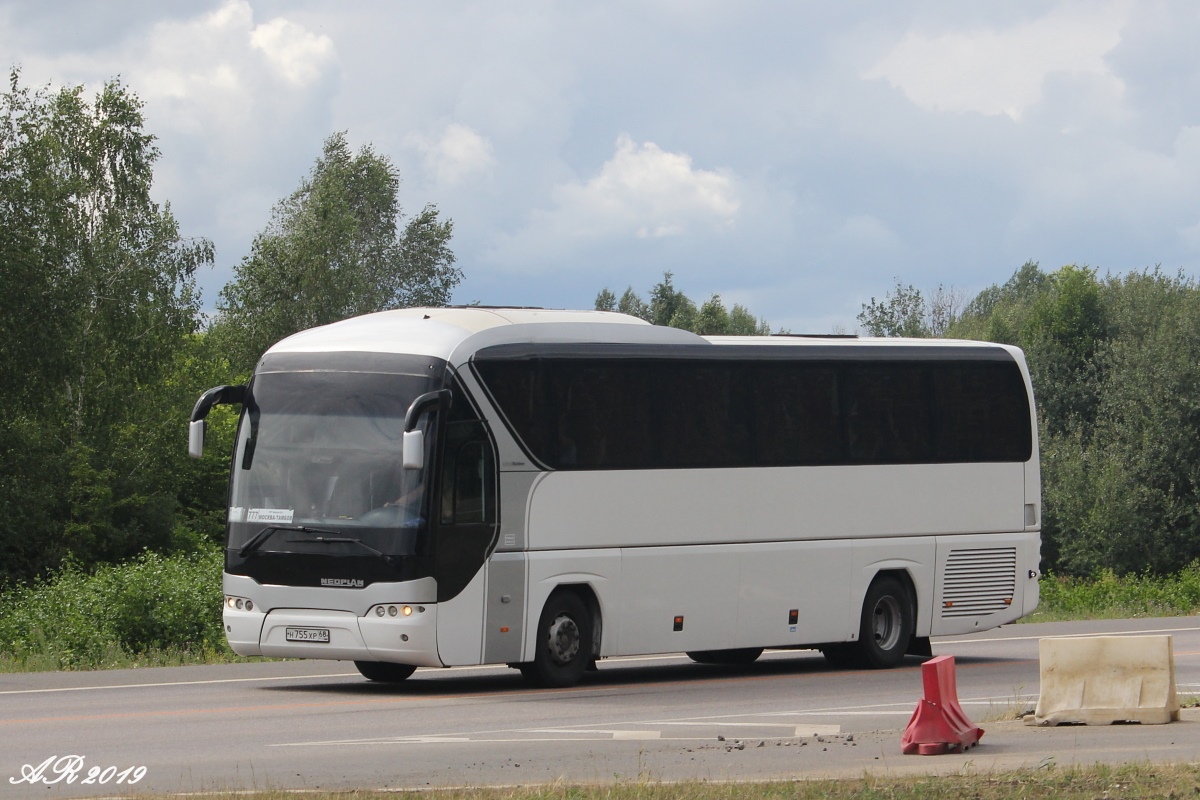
[
  {"x": 260, "y": 537},
  {"x": 345, "y": 540}
]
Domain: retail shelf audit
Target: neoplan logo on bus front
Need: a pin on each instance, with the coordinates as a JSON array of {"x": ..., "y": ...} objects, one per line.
[{"x": 345, "y": 583}]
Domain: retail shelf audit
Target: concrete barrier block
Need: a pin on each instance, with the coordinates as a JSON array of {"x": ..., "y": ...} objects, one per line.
[{"x": 1099, "y": 680}]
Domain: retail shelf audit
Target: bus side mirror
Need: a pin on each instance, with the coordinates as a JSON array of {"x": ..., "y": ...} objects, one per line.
[
  {"x": 215, "y": 396},
  {"x": 414, "y": 449},
  {"x": 414, "y": 440},
  {"x": 196, "y": 439}
]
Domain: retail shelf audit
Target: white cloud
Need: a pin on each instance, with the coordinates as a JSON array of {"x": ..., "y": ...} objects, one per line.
[
  {"x": 648, "y": 192},
  {"x": 643, "y": 193},
  {"x": 761, "y": 160},
  {"x": 292, "y": 51},
  {"x": 1003, "y": 71},
  {"x": 867, "y": 233},
  {"x": 458, "y": 153}
]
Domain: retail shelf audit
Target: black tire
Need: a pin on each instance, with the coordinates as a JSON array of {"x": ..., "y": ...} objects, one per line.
[
  {"x": 885, "y": 630},
  {"x": 841, "y": 656},
  {"x": 384, "y": 672},
  {"x": 563, "y": 644},
  {"x": 886, "y": 627},
  {"x": 741, "y": 655}
]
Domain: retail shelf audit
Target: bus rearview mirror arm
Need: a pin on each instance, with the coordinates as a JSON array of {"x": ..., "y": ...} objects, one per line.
[
  {"x": 220, "y": 395},
  {"x": 413, "y": 448}
]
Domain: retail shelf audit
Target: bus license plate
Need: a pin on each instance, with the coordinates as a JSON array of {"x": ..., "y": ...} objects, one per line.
[{"x": 320, "y": 635}]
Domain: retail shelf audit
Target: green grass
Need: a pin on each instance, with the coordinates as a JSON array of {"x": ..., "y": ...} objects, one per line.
[
  {"x": 166, "y": 611},
  {"x": 1134, "y": 781},
  {"x": 153, "y": 611},
  {"x": 1109, "y": 596}
]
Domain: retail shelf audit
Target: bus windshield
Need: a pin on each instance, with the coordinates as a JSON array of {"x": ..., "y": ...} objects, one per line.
[{"x": 317, "y": 466}]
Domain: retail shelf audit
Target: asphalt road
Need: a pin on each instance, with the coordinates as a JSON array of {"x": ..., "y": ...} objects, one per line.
[{"x": 318, "y": 724}]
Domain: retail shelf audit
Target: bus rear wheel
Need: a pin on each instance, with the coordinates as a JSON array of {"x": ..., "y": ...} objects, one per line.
[
  {"x": 885, "y": 629},
  {"x": 564, "y": 642},
  {"x": 384, "y": 672},
  {"x": 741, "y": 655}
]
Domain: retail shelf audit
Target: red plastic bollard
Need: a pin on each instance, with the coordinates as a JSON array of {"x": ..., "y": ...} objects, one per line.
[{"x": 939, "y": 724}]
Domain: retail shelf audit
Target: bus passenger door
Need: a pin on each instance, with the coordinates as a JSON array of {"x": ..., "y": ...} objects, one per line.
[{"x": 464, "y": 532}]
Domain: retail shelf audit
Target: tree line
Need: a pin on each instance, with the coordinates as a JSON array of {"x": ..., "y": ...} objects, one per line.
[
  {"x": 1115, "y": 364},
  {"x": 669, "y": 306},
  {"x": 104, "y": 347}
]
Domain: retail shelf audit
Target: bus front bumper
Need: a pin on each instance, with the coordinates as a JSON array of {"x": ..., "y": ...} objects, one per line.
[{"x": 336, "y": 635}]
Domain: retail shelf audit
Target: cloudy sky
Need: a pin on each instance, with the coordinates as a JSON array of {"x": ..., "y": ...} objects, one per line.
[{"x": 793, "y": 157}]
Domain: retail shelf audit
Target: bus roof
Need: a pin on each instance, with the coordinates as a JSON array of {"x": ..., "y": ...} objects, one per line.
[
  {"x": 800, "y": 340},
  {"x": 454, "y": 334},
  {"x": 441, "y": 332}
]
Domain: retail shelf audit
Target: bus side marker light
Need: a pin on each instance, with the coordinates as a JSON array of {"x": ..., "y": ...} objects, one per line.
[
  {"x": 504, "y": 630},
  {"x": 678, "y": 624},
  {"x": 793, "y": 616}
]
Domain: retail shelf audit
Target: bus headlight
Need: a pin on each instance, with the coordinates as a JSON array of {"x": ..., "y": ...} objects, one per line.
[
  {"x": 239, "y": 604},
  {"x": 395, "y": 610}
]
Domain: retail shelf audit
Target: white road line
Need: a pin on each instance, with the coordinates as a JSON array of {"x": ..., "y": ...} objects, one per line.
[
  {"x": 729, "y": 724},
  {"x": 435, "y": 740},
  {"x": 353, "y": 674},
  {"x": 861, "y": 714},
  {"x": 178, "y": 683},
  {"x": 489, "y": 667},
  {"x": 881, "y": 708},
  {"x": 575, "y": 734},
  {"x": 425, "y": 740},
  {"x": 1062, "y": 636}
]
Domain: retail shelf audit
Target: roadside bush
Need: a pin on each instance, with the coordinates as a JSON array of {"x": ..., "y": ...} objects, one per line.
[
  {"x": 153, "y": 605},
  {"x": 1109, "y": 595}
]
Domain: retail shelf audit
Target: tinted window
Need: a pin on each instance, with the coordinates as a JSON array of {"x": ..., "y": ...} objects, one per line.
[
  {"x": 598, "y": 415},
  {"x": 647, "y": 413},
  {"x": 701, "y": 415},
  {"x": 888, "y": 418},
  {"x": 795, "y": 413},
  {"x": 982, "y": 413}
]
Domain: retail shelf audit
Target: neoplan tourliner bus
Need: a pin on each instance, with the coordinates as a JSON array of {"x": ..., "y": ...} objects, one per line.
[{"x": 454, "y": 486}]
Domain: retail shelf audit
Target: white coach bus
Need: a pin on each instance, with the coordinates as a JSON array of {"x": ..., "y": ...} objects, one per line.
[{"x": 455, "y": 486}]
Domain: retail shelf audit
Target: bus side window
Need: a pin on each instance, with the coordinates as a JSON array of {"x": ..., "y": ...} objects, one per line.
[{"x": 466, "y": 473}]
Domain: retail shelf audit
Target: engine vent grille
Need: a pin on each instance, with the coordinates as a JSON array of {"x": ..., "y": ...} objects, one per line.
[{"x": 979, "y": 582}]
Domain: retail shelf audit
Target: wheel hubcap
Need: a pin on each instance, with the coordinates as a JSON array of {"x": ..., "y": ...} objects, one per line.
[
  {"x": 563, "y": 639},
  {"x": 886, "y": 623}
]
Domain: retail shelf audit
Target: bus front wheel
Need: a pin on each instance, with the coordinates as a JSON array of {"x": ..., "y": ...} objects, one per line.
[
  {"x": 384, "y": 672},
  {"x": 564, "y": 642}
]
